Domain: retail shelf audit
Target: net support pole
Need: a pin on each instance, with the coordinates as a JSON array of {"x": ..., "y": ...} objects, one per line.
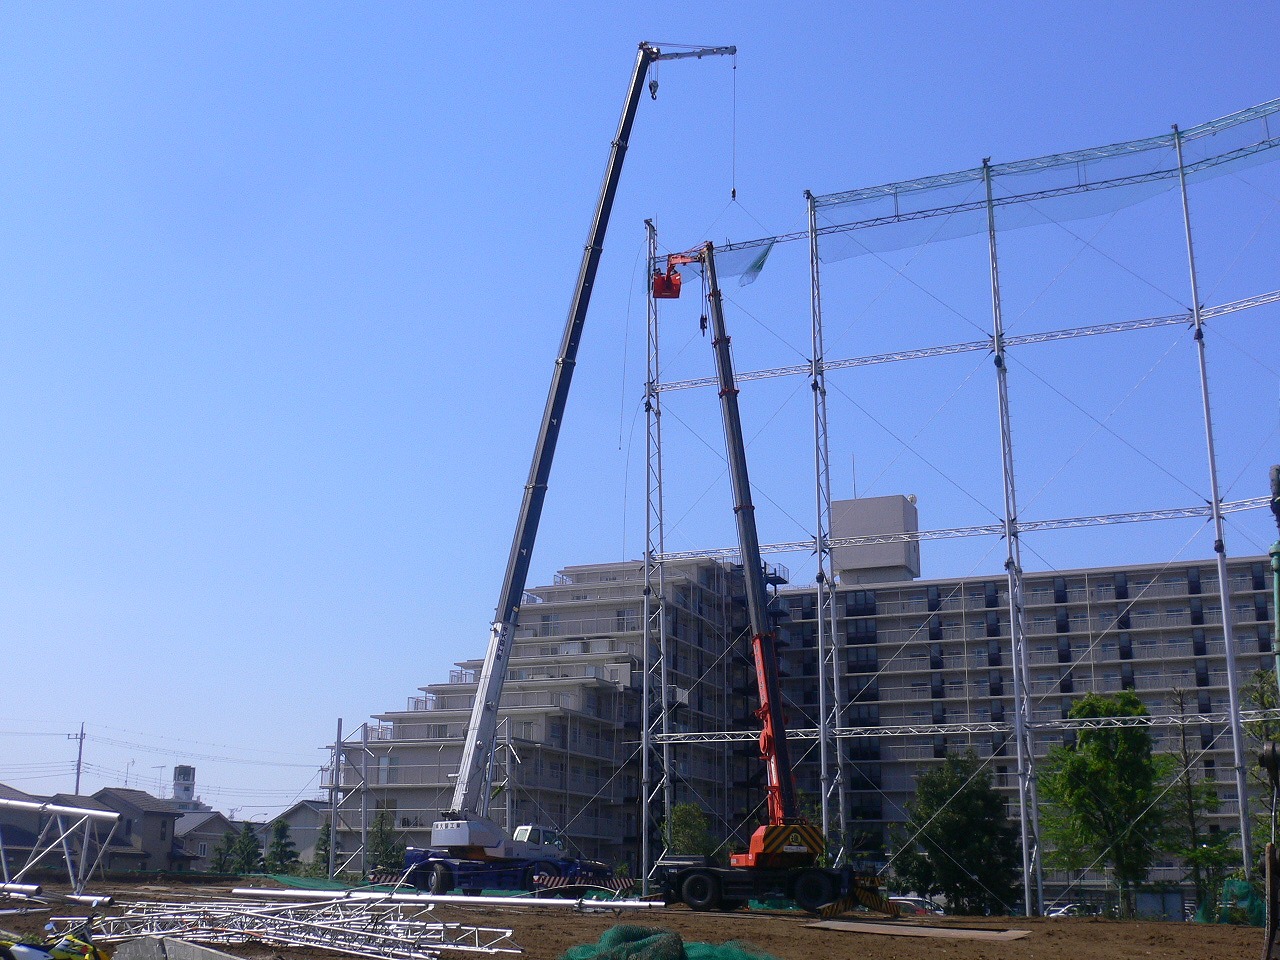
[
  {"x": 335, "y": 777},
  {"x": 654, "y": 639},
  {"x": 1219, "y": 541},
  {"x": 829, "y": 705},
  {"x": 1028, "y": 815}
]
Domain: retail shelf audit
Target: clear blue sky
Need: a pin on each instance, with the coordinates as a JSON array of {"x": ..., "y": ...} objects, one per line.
[{"x": 281, "y": 286}]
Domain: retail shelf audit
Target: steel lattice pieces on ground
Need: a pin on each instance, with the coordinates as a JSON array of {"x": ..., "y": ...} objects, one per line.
[{"x": 360, "y": 928}]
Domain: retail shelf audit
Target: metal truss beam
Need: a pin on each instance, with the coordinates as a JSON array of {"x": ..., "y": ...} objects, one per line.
[
  {"x": 973, "y": 346},
  {"x": 986, "y": 726},
  {"x": 981, "y": 530}
]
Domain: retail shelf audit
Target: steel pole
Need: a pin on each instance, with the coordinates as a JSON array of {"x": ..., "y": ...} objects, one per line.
[
  {"x": 333, "y": 800},
  {"x": 1027, "y": 814},
  {"x": 1275, "y": 573},
  {"x": 1219, "y": 542}
]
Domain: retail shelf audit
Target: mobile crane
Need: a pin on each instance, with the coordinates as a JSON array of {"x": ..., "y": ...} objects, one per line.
[
  {"x": 467, "y": 848},
  {"x": 783, "y": 854}
]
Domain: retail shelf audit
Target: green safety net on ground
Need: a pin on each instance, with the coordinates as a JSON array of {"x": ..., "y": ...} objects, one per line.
[
  {"x": 649, "y": 943},
  {"x": 1239, "y": 903}
]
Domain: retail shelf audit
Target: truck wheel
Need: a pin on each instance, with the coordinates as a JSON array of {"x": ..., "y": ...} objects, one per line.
[
  {"x": 700, "y": 891},
  {"x": 813, "y": 889},
  {"x": 441, "y": 879}
]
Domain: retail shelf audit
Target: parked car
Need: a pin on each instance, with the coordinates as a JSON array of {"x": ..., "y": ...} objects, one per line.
[{"x": 916, "y": 907}]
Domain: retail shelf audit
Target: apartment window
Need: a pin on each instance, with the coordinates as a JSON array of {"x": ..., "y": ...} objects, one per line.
[
  {"x": 934, "y": 597},
  {"x": 939, "y": 747},
  {"x": 860, "y": 603},
  {"x": 939, "y": 713},
  {"x": 1202, "y": 673},
  {"x": 1211, "y": 769},
  {"x": 935, "y": 656},
  {"x": 1059, "y": 589},
  {"x": 995, "y": 684},
  {"x": 935, "y": 628},
  {"x": 1204, "y": 702},
  {"x": 1193, "y": 580},
  {"x": 387, "y": 769},
  {"x": 1199, "y": 647},
  {"x": 1066, "y": 684},
  {"x": 993, "y": 623},
  {"x": 1062, "y": 621},
  {"x": 1122, "y": 586},
  {"x": 862, "y": 631},
  {"x": 1123, "y": 621},
  {"x": 997, "y": 712},
  {"x": 990, "y": 595},
  {"x": 937, "y": 689},
  {"x": 1197, "y": 611},
  {"x": 1126, "y": 646},
  {"x": 1126, "y": 676},
  {"x": 1000, "y": 744},
  {"x": 1064, "y": 649},
  {"x": 628, "y": 618},
  {"x": 1260, "y": 609},
  {"x": 1206, "y": 736},
  {"x": 1264, "y": 638},
  {"x": 202, "y": 848},
  {"x": 863, "y": 660},
  {"x": 1258, "y": 575},
  {"x": 993, "y": 653}
]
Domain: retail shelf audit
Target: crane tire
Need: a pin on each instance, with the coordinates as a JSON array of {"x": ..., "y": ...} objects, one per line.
[
  {"x": 441, "y": 879},
  {"x": 813, "y": 889},
  {"x": 700, "y": 891}
]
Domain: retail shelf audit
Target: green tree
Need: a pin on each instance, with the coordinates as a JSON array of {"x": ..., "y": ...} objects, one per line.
[
  {"x": 320, "y": 854},
  {"x": 959, "y": 841},
  {"x": 688, "y": 831},
  {"x": 1206, "y": 855},
  {"x": 282, "y": 855},
  {"x": 1101, "y": 796},
  {"x": 1259, "y": 693},
  {"x": 386, "y": 851},
  {"x": 220, "y": 861},
  {"x": 246, "y": 855}
]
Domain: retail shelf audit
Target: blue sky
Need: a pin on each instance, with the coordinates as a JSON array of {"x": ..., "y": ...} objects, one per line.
[{"x": 282, "y": 285}]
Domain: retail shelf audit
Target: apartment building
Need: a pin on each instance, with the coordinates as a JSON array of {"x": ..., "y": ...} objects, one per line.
[
  {"x": 570, "y": 715},
  {"x": 911, "y": 653}
]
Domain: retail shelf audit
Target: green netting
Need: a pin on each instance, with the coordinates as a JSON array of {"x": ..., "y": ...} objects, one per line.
[
  {"x": 649, "y": 943},
  {"x": 1240, "y": 903}
]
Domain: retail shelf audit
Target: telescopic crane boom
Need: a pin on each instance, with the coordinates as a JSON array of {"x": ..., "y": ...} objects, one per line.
[
  {"x": 787, "y": 839},
  {"x": 466, "y": 824}
]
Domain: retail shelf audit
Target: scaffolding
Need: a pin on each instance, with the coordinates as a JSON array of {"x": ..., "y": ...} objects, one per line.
[{"x": 987, "y": 200}]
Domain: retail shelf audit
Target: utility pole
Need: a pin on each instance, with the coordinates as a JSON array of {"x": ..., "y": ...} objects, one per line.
[
  {"x": 1275, "y": 571},
  {"x": 80, "y": 735}
]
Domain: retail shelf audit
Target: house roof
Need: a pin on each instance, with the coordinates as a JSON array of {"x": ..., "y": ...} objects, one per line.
[
  {"x": 85, "y": 803},
  {"x": 198, "y": 820},
  {"x": 317, "y": 806},
  {"x": 139, "y": 799},
  {"x": 13, "y": 793}
]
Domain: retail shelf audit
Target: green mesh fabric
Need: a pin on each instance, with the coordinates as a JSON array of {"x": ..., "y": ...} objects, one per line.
[
  {"x": 649, "y": 943},
  {"x": 1240, "y": 903}
]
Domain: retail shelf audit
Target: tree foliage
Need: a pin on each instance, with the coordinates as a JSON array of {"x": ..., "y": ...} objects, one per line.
[
  {"x": 688, "y": 831},
  {"x": 220, "y": 860},
  {"x": 386, "y": 852},
  {"x": 282, "y": 855},
  {"x": 1207, "y": 855},
  {"x": 320, "y": 853},
  {"x": 246, "y": 855},
  {"x": 959, "y": 842},
  {"x": 1101, "y": 796}
]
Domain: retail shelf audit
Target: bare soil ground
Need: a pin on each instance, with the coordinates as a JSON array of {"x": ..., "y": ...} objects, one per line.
[{"x": 788, "y": 936}]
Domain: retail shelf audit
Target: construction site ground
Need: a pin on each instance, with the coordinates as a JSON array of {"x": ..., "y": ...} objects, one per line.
[{"x": 786, "y": 935}]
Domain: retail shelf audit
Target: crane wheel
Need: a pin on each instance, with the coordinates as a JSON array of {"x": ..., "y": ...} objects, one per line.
[
  {"x": 700, "y": 891},
  {"x": 813, "y": 889},
  {"x": 441, "y": 879}
]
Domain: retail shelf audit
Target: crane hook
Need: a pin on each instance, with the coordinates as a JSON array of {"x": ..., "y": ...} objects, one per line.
[{"x": 653, "y": 89}]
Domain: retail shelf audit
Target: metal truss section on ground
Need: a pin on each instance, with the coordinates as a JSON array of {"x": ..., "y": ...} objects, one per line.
[{"x": 360, "y": 928}]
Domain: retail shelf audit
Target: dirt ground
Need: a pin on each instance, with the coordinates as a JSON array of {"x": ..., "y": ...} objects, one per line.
[{"x": 545, "y": 936}]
